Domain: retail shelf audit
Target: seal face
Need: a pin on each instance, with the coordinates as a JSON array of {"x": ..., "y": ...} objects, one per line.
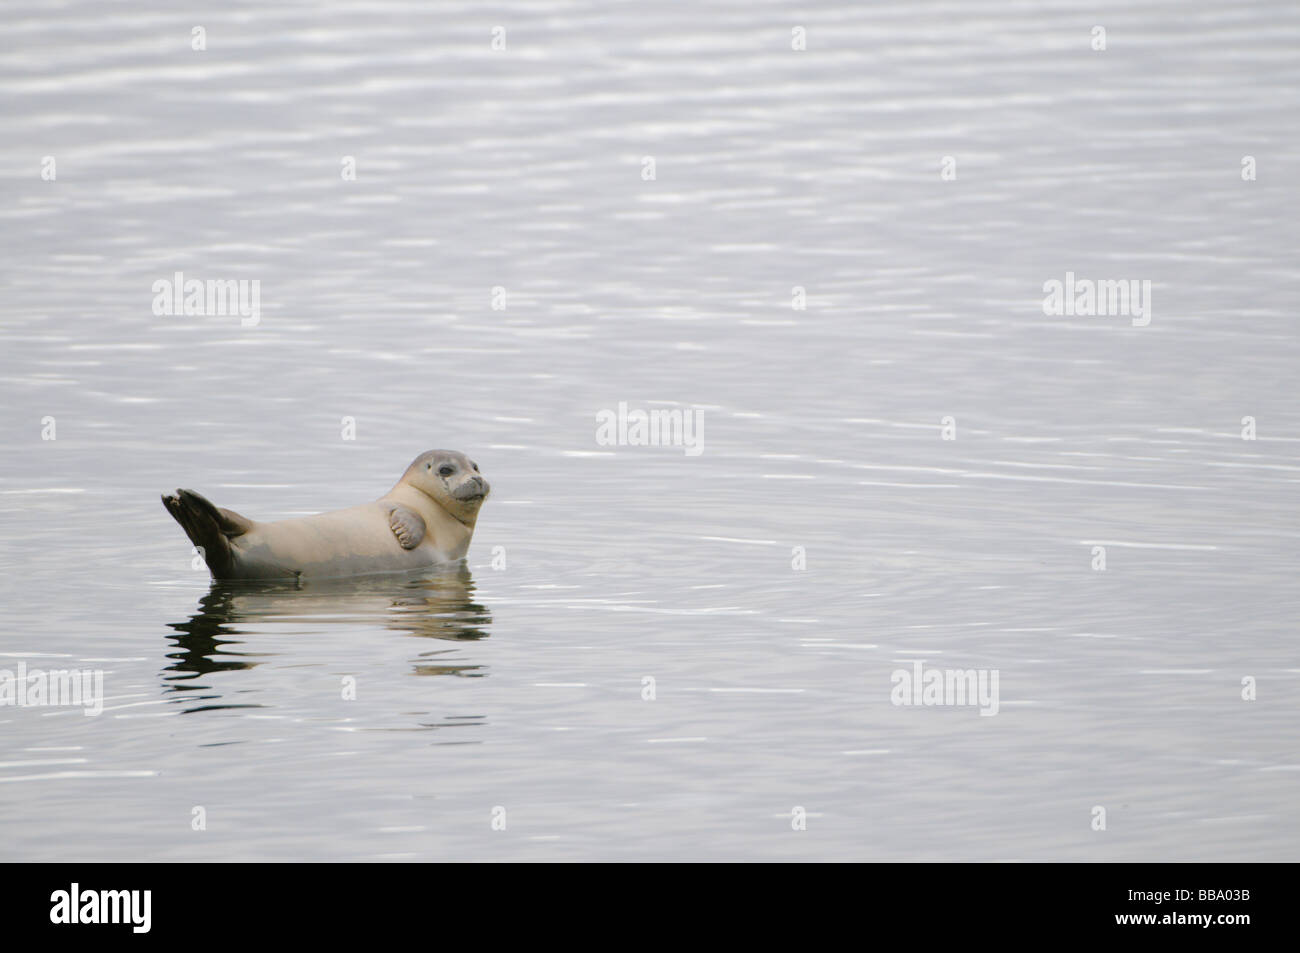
[
  {"x": 452, "y": 480},
  {"x": 426, "y": 519}
]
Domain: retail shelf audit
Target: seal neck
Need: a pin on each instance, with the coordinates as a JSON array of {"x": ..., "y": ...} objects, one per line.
[{"x": 448, "y": 530}]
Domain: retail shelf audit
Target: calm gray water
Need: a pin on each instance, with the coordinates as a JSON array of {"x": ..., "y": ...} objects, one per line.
[{"x": 520, "y": 686}]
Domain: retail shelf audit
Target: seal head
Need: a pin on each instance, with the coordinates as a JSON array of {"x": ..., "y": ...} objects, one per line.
[{"x": 450, "y": 479}]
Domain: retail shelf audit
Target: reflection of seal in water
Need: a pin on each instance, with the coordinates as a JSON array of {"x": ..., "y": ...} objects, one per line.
[
  {"x": 229, "y": 630},
  {"x": 425, "y": 520}
]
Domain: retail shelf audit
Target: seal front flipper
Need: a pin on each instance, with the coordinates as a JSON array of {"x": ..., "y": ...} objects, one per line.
[
  {"x": 407, "y": 525},
  {"x": 209, "y": 527}
]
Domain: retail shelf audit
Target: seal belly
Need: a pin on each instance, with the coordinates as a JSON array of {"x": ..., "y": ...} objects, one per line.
[{"x": 346, "y": 542}]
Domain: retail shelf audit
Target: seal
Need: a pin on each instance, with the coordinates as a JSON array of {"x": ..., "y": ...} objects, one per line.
[{"x": 427, "y": 519}]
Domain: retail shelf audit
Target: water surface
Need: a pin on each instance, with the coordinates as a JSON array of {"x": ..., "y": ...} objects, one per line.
[{"x": 519, "y": 682}]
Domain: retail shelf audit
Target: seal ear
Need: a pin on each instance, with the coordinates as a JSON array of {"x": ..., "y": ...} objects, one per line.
[{"x": 407, "y": 525}]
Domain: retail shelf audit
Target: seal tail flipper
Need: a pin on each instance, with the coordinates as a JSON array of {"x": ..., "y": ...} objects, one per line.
[{"x": 209, "y": 527}]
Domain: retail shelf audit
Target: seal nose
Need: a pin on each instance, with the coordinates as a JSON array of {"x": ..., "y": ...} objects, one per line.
[{"x": 473, "y": 487}]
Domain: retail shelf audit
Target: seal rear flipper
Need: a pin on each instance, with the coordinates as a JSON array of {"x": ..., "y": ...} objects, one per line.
[
  {"x": 209, "y": 527},
  {"x": 232, "y": 524},
  {"x": 407, "y": 525}
]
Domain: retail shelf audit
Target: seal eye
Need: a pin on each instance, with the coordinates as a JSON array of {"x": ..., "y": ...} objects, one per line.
[
  {"x": 446, "y": 470},
  {"x": 475, "y": 466}
]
